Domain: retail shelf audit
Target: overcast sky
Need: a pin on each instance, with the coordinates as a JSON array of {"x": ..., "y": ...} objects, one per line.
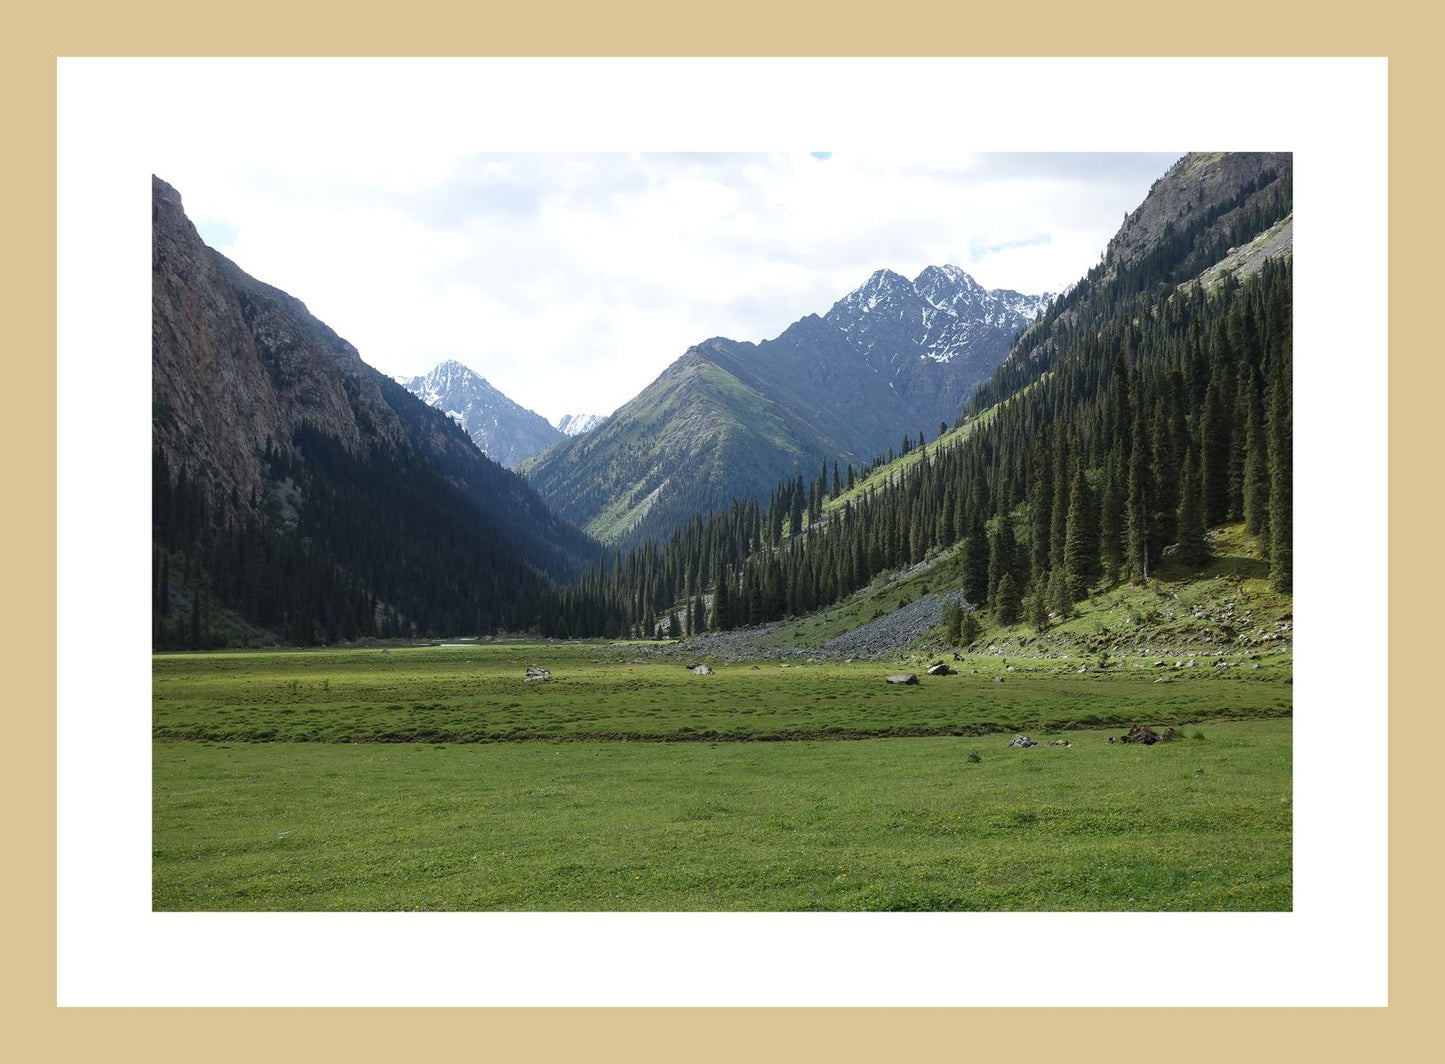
[{"x": 570, "y": 281}]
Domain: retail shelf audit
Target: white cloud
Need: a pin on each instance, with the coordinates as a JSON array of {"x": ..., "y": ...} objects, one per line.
[{"x": 571, "y": 280}]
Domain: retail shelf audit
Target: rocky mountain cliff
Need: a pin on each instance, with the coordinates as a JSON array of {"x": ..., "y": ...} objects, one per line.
[
  {"x": 267, "y": 424},
  {"x": 728, "y": 418},
  {"x": 1199, "y": 218},
  {"x": 503, "y": 430}
]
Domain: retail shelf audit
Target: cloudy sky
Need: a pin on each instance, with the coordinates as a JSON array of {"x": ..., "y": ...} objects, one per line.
[{"x": 571, "y": 280}]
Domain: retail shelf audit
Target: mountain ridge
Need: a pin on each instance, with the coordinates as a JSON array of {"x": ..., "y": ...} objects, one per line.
[{"x": 847, "y": 384}]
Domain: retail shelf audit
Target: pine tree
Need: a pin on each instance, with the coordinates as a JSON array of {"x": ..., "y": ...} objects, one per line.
[
  {"x": 975, "y": 565},
  {"x": 1111, "y": 515},
  {"x": 163, "y": 593},
  {"x": 953, "y": 623},
  {"x": 1007, "y": 603},
  {"x": 1041, "y": 497},
  {"x": 1002, "y": 552},
  {"x": 1036, "y": 606},
  {"x": 1170, "y": 432},
  {"x": 969, "y": 629},
  {"x": 1060, "y": 598},
  {"x": 1136, "y": 517},
  {"x": 1193, "y": 548},
  {"x": 721, "y": 602},
  {"x": 195, "y": 635},
  {"x": 1281, "y": 466},
  {"x": 1213, "y": 456},
  {"x": 1058, "y": 529},
  {"x": 1256, "y": 464},
  {"x": 1081, "y": 540}
]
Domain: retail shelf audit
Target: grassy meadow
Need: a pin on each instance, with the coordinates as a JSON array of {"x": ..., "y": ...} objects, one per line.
[{"x": 436, "y": 778}]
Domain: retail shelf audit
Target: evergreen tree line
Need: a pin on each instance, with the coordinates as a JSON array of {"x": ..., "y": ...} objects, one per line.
[{"x": 403, "y": 554}]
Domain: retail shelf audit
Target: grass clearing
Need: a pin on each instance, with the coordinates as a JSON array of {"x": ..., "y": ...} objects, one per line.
[
  {"x": 437, "y": 778},
  {"x": 874, "y": 824},
  {"x": 478, "y": 694}
]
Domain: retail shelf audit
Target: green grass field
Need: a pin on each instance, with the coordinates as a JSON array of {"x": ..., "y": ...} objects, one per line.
[
  {"x": 478, "y": 694},
  {"x": 874, "y": 824},
  {"x": 435, "y": 778}
]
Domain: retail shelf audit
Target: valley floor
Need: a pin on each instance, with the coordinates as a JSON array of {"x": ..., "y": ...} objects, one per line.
[{"x": 437, "y": 778}]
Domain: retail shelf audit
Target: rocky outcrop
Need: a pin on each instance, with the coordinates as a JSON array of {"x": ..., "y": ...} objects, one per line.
[
  {"x": 1197, "y": 185},
  {"x": 237, "y": 364}
]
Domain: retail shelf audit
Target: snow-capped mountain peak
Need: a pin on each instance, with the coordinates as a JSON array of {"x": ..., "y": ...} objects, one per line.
[
  {"x": 943, "y": 314},
  {"x": 505, "y": 431},
  {"x": 576, "y": 424}
]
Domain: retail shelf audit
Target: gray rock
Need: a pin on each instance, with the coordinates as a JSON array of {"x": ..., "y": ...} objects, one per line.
[
  {"x": 895, "y": 631},
  {"x": 901, "y": 678},
  {"x": 701, "y": 670}
]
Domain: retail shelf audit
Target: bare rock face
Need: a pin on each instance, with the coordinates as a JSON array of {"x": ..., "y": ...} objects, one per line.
[
  {"x": 243, "y": 360},
  {"x": 1198, "y": 183}
]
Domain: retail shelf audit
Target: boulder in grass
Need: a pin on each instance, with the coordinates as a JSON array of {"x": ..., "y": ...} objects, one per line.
[
  {"x": 1022, "y": 741},
  {"x": 537, "y": 674},
  {"x": 940, "y": 669},
  {"x": 702, "y": 670},
  {"x": 1141, "y": 733},
  {"x": 901, "y": 677}
]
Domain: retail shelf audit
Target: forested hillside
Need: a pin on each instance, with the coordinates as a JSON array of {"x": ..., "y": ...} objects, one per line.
[{"x": 1143, "y": 409}]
